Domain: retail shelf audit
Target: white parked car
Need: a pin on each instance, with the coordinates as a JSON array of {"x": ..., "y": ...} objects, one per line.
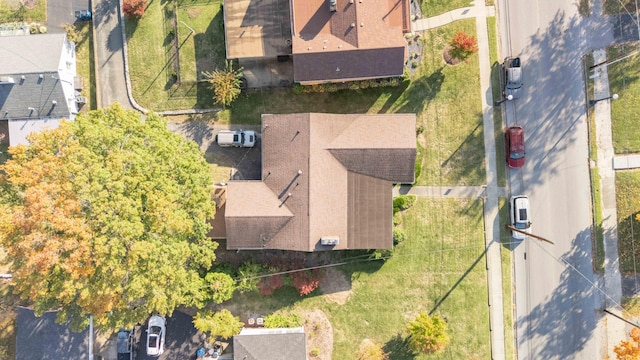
[
  {"x": 236, "y": 138},
  {"x": 155, "y": 335},
  {"x": 520, "y": 215}
]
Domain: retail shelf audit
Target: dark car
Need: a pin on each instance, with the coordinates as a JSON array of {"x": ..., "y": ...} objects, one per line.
[
  {"x": 514, "y": 143},
  {"x": 125, "y": 345}
]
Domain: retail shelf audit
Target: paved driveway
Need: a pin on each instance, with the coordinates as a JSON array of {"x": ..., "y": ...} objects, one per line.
[
  {"x": 182, "y": 340},
  {"x": 247, "y": 161},
  {"x": 61, "y": 12}
]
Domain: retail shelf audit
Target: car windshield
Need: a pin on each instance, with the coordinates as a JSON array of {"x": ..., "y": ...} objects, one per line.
[
  {"x": 517, "y": 155},
  {"x": 154, "y": 330},
  {"x": 521, "y": 225}
]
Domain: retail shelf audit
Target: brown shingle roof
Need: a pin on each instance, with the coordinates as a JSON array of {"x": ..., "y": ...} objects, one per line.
[
  {"x": 319, "y": 36},
  {"x": 324, "y": 175}
]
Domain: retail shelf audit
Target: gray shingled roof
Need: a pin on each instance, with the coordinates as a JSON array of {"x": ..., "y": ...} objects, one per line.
[
  {"x": 33, "y": 97},
  {"x": 41, "y": 338},
  {"x": 270, "y": 344},
  {"x": 323, "y": 175}
]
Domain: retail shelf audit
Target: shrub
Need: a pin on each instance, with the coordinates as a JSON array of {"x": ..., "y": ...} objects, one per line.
[
  {"x": 72, "y": 34},
  {"x": 280, "y": 320},
  {"x": 134, "y": 9},
  {"x": 221, "y": 323},
  {"x": 403, "y": 202},
  {"x": 298, "y": 89},
  {"x": 43, "y": 29},
  {"x": 427, "y": 334},
  {"x": 369, "y": 350},
  {"x": 398, "y": 236},
  {"x": 305, "y": 281},
  {"x": 226, "y": 83},
  {"x": 248, "y": 274},
  {"x": 315, "y": 352},
  {"x": 269, "y": 284},
  {"x": 463, "y": 45}
]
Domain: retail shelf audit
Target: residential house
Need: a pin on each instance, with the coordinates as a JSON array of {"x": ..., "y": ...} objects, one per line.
[
  {"x": 326, "y": 183},
  {"x": 329, "y": 40},
  {"x": 37, "y": 84},
  {"x": 41, "y": 338},
  {"x": 270, "y": 344}
]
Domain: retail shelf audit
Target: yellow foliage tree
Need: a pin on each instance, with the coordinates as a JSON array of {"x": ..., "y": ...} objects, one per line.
[{"x": 629, "y": 349}]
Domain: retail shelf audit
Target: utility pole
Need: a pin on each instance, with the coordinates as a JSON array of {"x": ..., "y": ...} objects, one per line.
[{"x": 528, "y": 234}]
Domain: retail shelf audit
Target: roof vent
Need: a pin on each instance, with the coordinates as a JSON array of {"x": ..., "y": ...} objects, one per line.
[
  {"x": 353, "y": 25},
  {"x": 41, "y": 76},
  {"x": 337, "y": 69},
  {"x": 361, "y": 24},
  {"x": 54, "y": 103},
  {"x": 6, "y": 80},
  {"x": 299, "y": 172}
]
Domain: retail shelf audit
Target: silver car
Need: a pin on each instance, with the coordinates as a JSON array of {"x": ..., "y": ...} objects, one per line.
[
  {"x": 512, "y": 78},
  {"x": 155, "y": 335}
]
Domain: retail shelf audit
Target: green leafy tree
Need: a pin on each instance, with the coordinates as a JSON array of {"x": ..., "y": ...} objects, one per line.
[
  {"x": 220, "y": 286},
  {"x": 221, "y": 323},
  {"x": 107, "y": 216},
  {"x": 428, "y": 334},
  {"x": 225, "y": 83}
]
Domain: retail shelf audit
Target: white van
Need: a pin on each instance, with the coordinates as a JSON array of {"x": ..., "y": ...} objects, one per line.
[{"x": 236, "y": 138}]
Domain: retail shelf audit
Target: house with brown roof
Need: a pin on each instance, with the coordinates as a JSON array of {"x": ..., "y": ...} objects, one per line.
[
  {"x": 351, "y": 40},
  {"x": 326, "y": 183}
]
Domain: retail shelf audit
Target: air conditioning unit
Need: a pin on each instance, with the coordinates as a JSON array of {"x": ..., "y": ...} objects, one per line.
[{"x": 329, "y": 240}]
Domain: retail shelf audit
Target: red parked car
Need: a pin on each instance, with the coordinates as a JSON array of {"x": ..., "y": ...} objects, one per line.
[{"x": 514, "y": 143}]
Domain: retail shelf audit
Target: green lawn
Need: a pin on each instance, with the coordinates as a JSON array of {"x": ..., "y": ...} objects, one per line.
[
  {"x": 436, "y": 7},
  {"x": 625, "y": 111},
  {"x": 12, "y": 11},
  {"x": 449, "y": 107},
  {"x": 85, "y": 63},
  {"x": 439, "y": 269},
  {"x": 598, "y": 240},
  {"x": 496, "y": 89},
  {"x": 628, "y": 201},
  {"x": 619, "y": 6},
  {"x": 507, "y": 285},
  {"x": 152, "y": 57}
]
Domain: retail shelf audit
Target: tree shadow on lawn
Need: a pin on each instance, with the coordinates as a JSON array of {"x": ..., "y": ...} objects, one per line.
[
  {"x": 420, "y": 92},
  {"x": 398, "y": 348}
]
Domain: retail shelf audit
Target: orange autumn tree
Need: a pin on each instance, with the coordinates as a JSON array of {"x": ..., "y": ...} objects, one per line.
[
  {"x": 629, "y": 349},
  {"x": 108, "y": 216},
  {"x": 463, "y": 45}
]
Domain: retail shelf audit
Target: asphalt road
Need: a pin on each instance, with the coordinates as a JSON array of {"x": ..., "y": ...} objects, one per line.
[{"x": 556, "y": 304}]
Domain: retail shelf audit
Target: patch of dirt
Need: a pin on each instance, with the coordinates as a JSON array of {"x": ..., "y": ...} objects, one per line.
[
  {"x": 30, "y": 4},
  {"x": 335, "y": 286},
  {"x": 450, "y": 60},
  {"x": 193, "y": 12},
  {"x": 319, "y": 335}
]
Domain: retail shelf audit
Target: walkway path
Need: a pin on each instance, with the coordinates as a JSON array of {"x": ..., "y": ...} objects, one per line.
[
  {"x": 479, "y": 11},
  {"x": 454, "y": 192}
]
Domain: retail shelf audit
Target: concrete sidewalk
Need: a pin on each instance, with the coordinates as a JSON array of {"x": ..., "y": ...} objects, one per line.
[
  {"x": 464, "y": 13},
  {"x": 616, "y": 330}
]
